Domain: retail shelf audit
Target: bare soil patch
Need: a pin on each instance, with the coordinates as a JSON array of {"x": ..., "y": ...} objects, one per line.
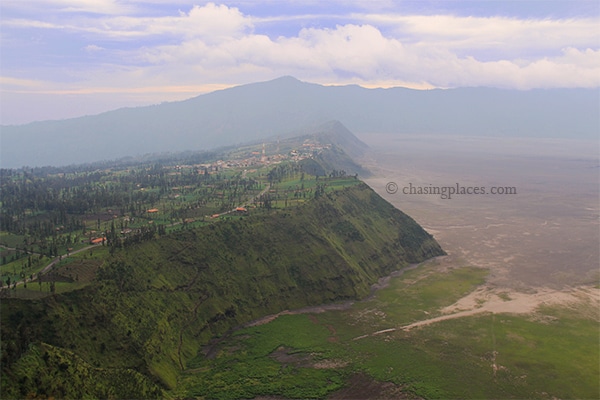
[
  {"x": 362, "y": 386},
  {"x": 287, "y": 356},
  {"x": 488, "y": 299}
]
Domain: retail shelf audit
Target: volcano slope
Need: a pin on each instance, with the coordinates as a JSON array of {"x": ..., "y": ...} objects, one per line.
[{"x": 154, "y": 305}]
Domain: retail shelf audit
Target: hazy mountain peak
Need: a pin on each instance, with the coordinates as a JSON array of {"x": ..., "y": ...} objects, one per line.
[
  {"x": 286, "y": 79},
  {"x": 286, "y": 104}
]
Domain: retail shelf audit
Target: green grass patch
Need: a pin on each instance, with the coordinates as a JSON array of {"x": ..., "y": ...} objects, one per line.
[
  {"x": 48, "y": 372},
  {"x": 246, "y": 364},
  {"x": 554, "y": 353},
  {"x": 419, "y": 294},
  {"x": 501, "y": 356},
  {"x": 11, "y": 240}
]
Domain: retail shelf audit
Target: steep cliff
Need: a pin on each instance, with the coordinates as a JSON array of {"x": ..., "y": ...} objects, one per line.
[{"x": 153, "y": 306}]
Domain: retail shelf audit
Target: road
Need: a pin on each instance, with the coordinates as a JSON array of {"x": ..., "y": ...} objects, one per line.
[{"x": 51, "y": 264}]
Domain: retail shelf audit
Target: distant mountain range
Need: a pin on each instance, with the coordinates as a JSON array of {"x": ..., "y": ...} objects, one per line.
[{"x": 286, "y": 105}]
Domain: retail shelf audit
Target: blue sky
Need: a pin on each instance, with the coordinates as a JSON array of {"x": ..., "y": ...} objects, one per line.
[{"x": 66, "y": 58}]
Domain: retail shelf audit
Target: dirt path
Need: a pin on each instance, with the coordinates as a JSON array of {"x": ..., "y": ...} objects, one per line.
[
  {"x": 496, "y": 301},
  {"x": 304, "y": 310}
]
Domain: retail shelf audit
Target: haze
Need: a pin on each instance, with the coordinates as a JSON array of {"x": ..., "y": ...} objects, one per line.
[
  {"x": 546, "y": 235},
  {"x": 287, "y": 105}
]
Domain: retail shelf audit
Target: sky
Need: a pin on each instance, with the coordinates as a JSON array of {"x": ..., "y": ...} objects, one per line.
[{"x": 67, "y": 58}]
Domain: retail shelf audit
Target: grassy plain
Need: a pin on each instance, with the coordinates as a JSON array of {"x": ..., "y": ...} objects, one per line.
[{"x": 315, "y": 355}]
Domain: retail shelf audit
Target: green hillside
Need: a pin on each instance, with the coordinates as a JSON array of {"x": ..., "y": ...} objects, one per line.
[{"x": 154, "y": 305}]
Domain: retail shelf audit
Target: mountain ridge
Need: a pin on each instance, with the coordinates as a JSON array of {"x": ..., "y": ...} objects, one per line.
[{"x": 264, "y": 109}]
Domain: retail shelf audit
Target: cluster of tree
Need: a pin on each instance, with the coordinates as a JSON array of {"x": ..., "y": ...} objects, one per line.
[
  {"x": 142, "y": 234},
  {"x": 319, "y": 190},
  {"x": 36, "y": 206},
  {"x": 60, "y": 197},
  {"x": 124, "y": 163},
  {"x": 285, "y": 171},
  {"x": 337, "y": 173}
]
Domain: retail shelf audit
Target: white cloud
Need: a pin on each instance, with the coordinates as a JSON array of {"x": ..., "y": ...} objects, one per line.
[
  {"x": 501, "y": 34},
  {"x": 212, "y": 22},
  {"x": 92, "y": 48},
  {"x": 362, "y": 52}
]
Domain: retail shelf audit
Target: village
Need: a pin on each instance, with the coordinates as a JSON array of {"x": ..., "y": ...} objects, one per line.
[
  {"x": 249, "y": 164},
  {"x": 256, "y": 158}
]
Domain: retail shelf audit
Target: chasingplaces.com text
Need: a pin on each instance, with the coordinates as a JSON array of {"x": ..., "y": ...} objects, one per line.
[{"x": 446, "y": 192}]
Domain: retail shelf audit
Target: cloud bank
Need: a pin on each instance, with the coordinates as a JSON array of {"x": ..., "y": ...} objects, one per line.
[{"x": 152, "y": 52}]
